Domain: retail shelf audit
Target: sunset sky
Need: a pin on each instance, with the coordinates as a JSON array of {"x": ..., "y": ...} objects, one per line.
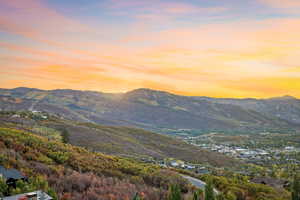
[{"x": 219, "y": 48}]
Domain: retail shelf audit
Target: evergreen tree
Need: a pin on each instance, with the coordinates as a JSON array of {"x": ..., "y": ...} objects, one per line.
[
  {"x": 136, "y": 197},
  {"x": 209, "y": 191},
  {"x": 65, "y": 135},
  {"x": 3, "y": 188},
  {"x": 230, "y": 196},
  {"x": 296, "y": 188},
  {"x": 221, "y": 197},
  {"x": 52, "y": 193},
  {"x": 198, "y": 195},
  {"x": 174, "y": 193},
  {"x": 21, "y": 187}
]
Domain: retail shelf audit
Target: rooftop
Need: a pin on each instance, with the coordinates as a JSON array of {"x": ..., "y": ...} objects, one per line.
[
  {"x": 10, "y": 173},
  {"x": 39, "y": 195}
]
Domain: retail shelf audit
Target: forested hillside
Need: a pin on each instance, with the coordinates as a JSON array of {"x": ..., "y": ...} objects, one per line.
[
  {"x": 75, "y": 173},
  {"x": 160, "y": 111},
  {"x": 122, "y": 141}
]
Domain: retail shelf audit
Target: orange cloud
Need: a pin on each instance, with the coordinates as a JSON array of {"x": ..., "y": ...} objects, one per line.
[
  {"x": 7, "y": 25},
  {"x": 261, "y": 88},
  {"x": 229, "y": 59}
]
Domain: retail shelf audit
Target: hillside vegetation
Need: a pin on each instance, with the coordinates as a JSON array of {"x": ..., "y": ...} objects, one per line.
[
  {"x": 68, "y": 172},
  {"x": 75, "y": 173},
  {"x": 122, "y": 141}
]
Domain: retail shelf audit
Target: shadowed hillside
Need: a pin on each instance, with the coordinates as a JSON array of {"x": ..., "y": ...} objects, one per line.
[
  {"x": 124, "y": 141},
  {"x": 160, "y": 111}
]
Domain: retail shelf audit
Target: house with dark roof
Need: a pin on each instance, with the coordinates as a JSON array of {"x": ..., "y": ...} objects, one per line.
[{"x": 11, "y": 176}]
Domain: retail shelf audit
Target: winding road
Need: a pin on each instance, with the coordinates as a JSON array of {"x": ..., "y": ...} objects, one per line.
[{"x": 197, "y": 183}]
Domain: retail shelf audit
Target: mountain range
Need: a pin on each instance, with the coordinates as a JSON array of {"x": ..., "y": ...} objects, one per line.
[{"x": 160, "y": 111}]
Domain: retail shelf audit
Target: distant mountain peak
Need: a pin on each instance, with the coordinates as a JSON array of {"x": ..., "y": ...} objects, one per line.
[
  {"x": 25, "y": 89},
  {"x": 146, "y": 92},
  {"x": 285, "y": 97},
  {"x": 150, "y": 97},
  {"x": 138, "y": 90}
]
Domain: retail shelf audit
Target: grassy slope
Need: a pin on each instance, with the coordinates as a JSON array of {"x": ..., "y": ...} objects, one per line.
[
  {"x": 130, "y": 141},
  {"x": 125, "y": 141}
]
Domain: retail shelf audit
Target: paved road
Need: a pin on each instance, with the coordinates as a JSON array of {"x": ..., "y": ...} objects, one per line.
[{"x": 198, "y": 183}]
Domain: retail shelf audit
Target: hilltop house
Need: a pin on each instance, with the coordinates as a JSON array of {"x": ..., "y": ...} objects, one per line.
[
  {"x": 11, "y": 176},
  {"x": 36, "y": 195},
  {"x": 177, "y": 163},
  {"x": 174, "y": 164}
]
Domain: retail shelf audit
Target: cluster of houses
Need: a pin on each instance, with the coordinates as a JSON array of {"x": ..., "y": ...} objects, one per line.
[
  {"x": 11, "y": 176},
  {"x": 36, "y": 114},
  {"x": 238, "y": 152},
  {"x": 172, "y": 163},
  {"x": 250, "y": 155},
  {"x": 40, "y": 114}
]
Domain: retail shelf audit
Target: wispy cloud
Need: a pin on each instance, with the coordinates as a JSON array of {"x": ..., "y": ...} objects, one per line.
[
  {"x": 149, "y": 9},
  {"x": 282, "y": 4},
  {"x": 170, "y": 45},
  {"x": 286, "y": 6},
  {"x": 39, "y": 16}
]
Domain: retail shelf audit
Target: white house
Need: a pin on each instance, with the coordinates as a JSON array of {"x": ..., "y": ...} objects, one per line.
[{"x": 36, "y": 195}]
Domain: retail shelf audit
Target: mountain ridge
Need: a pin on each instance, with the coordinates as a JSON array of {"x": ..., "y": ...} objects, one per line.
[
  {"x": 160, "y": 111},
  {"x": 285, "y": 96}
]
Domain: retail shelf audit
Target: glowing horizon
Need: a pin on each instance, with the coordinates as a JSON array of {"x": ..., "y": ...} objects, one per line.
[{"x": 196, "y": 47}]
